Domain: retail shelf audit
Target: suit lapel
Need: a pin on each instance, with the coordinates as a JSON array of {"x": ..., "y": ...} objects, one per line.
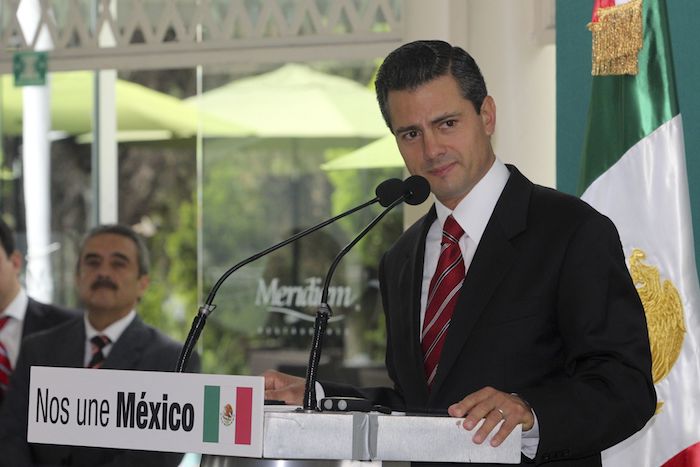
[
  {"x": 69, "y": 351},
  {"x": 32, "y": 318},
  {"x": 129, "y": 347},
  {"x": 411, "y": 277},
  {"x": 492, "y": 260}
]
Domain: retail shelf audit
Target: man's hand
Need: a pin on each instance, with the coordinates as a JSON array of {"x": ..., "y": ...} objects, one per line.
[
  {"x": 284, "y": 387},
  {"x": 493, "y": 406}
]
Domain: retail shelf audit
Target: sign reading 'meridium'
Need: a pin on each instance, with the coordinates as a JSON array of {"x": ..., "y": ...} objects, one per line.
[{"x": 147, "y": 410}]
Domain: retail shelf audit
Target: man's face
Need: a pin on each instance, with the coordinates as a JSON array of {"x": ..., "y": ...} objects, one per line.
[
  {"x": 9, "y": 281},
  {"x": 442, "y": 138},
  {"x": 108, "y": 278}
]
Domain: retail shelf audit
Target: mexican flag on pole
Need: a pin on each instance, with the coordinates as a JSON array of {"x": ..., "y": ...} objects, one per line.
[{"x": 634, "y": 172}]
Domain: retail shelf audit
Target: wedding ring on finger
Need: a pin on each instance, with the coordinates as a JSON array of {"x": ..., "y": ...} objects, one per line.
[{"x": 503, "y": 415}]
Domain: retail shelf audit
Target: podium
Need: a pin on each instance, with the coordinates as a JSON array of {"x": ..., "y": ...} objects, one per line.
[
  {"x": 294, "y": 438},
  {"x": 224, "y": 418}
]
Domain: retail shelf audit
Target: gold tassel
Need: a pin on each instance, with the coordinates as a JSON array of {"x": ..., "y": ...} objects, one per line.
[{"x": 617, "y": 39}]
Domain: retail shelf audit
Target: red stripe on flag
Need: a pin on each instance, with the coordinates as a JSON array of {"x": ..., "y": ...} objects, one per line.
[
  {"x": 244, "y": 415},
  {"x": 688, "y": 457}
]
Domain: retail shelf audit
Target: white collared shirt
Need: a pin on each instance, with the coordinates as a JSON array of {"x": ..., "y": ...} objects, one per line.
[
  {"x": 11, "y": 334},
  {"x": 472, "y": 214},
  {"x": 113, "y": 331}
]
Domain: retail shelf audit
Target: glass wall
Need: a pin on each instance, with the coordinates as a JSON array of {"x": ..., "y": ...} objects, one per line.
[
  {"x": 156, "y": 177},
  {"x": 70, "y": 181},
  {"x": 260, "y": 189},
  {"x": 254, "y": 187}
]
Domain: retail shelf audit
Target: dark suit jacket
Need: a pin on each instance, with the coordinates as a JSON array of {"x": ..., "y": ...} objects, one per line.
[
  {"x": 140, "y": 347},
  {"x": 548, "y": 310},
  {"x": 41, "y": 316}
]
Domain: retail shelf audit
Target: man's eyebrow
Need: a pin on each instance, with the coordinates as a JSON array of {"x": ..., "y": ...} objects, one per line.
[
  {"x": 121, "y": 256},
  {"x": 117, "y": 255},
  {"x": 404, "y": 129},
  {"x": 444, "y": 117},
  {"x": 438, "y": 119}
]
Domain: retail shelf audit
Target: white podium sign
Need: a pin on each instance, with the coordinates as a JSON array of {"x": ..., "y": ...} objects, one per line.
[{"x": 147, "y": 410}]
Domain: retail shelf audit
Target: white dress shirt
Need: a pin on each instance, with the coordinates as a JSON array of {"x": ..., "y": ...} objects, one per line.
[
  {"x": 472, "y": 214},
  {"x": 11, "y": 334},
  {"x": 113, "y": 331}
]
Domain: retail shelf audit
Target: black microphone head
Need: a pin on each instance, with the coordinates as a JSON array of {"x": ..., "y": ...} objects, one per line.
[
  {"x": 416, "y": 189},
  {"x": 389, "y": 191}
]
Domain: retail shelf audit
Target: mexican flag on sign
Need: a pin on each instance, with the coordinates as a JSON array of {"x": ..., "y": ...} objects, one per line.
[
  {"x": 634, "y": 172},
  {"x": 228, "y": 415}
]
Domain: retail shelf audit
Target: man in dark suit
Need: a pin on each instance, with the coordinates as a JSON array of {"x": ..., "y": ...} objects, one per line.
[
  {"x": 534, "y": 319},
  {"x": 20, "y": 315},
  {"x": 111, "y": 276}
]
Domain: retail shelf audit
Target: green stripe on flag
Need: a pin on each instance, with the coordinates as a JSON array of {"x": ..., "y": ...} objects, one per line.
[
  {"x": 212, "y": 396},
  {"x": 625, "y": 109}
]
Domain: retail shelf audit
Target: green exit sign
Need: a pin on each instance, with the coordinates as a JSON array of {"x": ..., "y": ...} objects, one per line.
[{"x": 30, "y": 68}]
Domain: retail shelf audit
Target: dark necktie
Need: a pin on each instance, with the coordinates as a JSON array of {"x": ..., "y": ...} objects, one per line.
[
  {"x": 442, "y": 296},
  {"x": 98, "y": 343},
  {"x": 5, "y": 364}
]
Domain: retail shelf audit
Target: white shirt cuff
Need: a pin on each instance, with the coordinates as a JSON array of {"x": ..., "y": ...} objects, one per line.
[{"x": 530, "y": 439}]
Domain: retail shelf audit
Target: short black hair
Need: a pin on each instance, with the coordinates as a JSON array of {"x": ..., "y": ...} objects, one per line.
[
  {"x": 7, "y": 238},
  {"x": 124, "y": 231},
  {"x": 419, "y": 62}
]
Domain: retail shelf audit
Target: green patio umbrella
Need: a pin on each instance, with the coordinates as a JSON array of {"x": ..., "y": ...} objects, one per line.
[
  {"x": 296, "y": 113},
  {"x": 295, "y": 101},
  {"x": 378, "y": 154},
  {"x": 142, "y": 113}
]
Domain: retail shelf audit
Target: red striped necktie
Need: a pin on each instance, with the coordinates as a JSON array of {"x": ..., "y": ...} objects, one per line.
[
  {"x": 442, "y": 296},
  {"x": 5, "y": 364},
  {"x": 97, "y": 343}
]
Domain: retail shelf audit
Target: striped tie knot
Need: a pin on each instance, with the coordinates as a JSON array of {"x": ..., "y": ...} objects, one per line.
[
  {"x": 451, "y": 231},
  {"x": 442, "y": 297},
  {"x": 97, "y": 343}
]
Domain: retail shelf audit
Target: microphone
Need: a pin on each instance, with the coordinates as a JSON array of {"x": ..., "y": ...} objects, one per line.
[
  {"x": 415, "y": 190},
  {"x": 389, "y": 191},
  {"x": 386, "y": 193}
]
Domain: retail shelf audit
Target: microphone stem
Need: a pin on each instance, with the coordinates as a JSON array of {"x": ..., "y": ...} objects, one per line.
[
  {"x": 212, "y": 293},
  {"x": 344, "y": 251},
  {"x": 197, "y": 325},
  {"x": 207, "y": 308},
  {"x": 324, "y": 313}
]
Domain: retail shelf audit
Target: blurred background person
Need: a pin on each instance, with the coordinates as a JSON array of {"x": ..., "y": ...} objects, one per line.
[
  {"x": 111, "y": 278},
  {"x": 20, "y": 315}
]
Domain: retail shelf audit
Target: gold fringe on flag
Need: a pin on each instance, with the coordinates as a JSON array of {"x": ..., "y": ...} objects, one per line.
[{"x": 617, "y": 39}]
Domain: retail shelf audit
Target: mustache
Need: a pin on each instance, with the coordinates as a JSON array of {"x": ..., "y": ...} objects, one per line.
[{"x": 103, "y": 282}]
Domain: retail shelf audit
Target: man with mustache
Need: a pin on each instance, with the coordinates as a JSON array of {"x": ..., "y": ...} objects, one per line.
[
  {"x": 111, "y": 277},
  {"x": 508, "y": 302},
  {"x": 20, "y": 315}
]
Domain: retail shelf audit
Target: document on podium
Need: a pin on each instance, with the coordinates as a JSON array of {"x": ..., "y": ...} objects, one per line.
[
  {"x": 440, "y": 439},
  {"x": 292, "y": 434}
]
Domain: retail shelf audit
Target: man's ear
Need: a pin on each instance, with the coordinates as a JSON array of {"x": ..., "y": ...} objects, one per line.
[
  {"x": 16, "y": 260},
  {"x": 488, "y": 115},
  {"x": 144, "y": 281}
]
